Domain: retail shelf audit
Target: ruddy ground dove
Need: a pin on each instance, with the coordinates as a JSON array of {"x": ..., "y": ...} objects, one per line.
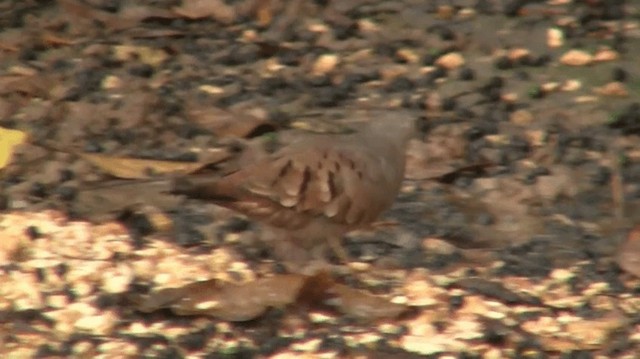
[{"x": 318, "y": 187}]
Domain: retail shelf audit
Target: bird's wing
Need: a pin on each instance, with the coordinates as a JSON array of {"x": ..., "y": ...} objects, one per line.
[{"x": 338, "y": 181}]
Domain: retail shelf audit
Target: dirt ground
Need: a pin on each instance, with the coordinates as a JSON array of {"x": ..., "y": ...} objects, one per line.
[{"x": 515, "y": 234}]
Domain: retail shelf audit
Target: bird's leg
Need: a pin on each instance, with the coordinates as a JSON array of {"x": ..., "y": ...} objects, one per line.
[
  {"x": 305, "y": 258},
  {"x": 317, "y": 261},
  {"x": 305, "y": 261},
  {"x": 337, "y": 248}
]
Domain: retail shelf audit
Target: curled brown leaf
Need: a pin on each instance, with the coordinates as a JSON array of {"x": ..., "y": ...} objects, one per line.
[
  {"x": 226, "y": 123},
  {"x": 241, "y": 302},
  {"x": 628, "y": 257},
  {"x": 231, "y": 302},
  {"x": 200, "y": 9},
  {"x": 135, "y": 168}
]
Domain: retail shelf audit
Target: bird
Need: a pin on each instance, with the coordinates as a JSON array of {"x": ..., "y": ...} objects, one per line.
[{"x": 317, "y": 187}]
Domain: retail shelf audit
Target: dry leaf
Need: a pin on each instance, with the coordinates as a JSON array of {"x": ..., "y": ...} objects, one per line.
[
  {"x": 199, "y": 9},
  {"x": 555, "y": 37},
  {"x": 226, "y": 123},
  {"x": 227, "y": 301},
  {"x": 108, "y": 201},
  {"x": 112, "y": 21},
  {"x": 612, "y": 89},
  {"x": 144, "y": 33},
  {"x": 9, "y": 139},
  {"x": 81, "y": 10},
  {"x": 451, "y": 61},
  {"x": 264, "y": 13},
  {"x": 137, "y": 13},
  {"x": 576, "y": 58},
  {"x": 33, "y": 85},
  {"x": 8, "y": 47},
  {"x": 7, "y": 108},
  {"x": 437, "y": 156},
  {"x": 325, "y": 64},
  {"x": 241, "y": 302},
  {"x": 605, "y": 55},
  {"x": 140, "y": 169},
  {"x": 581, "y": 334},
  {"x": 51, "y": 39},
  {"x": 360, "y": 304},
  {"x": 629, "y": 253},
  {"x": 144, "y": 54},
  {"x": 135, "y": 168}
]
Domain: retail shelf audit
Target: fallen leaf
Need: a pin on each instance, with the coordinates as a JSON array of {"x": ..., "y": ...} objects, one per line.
[
  {"x": 361, "y": 304},
  {"x": 113, "y": 199},
  {"x": 612, "y": 89},
  {"x": 228, "y": 301},
  {"x": 451, "y": 61},
  {"x": 576, "y": 58},
  {"x": 135, "y": 168},
  {"x": 225, "y": 123},
  {"x": 144, "y": 54},
  {"x": 581, "y": 334},
  {"x": 114, "y": 22},
  {"x": 628, "y": 257},
  {"x": 199, "y": 9},
  {"x": 144, "y": 33},
  {"x": 555, "y": 37},
  {"x": 264, "y": 13},
  {"x": 79, "y": 9},
  {"x": 137, "y": 13},
  {"x": 9, "y": 139},
  {"x": 142, "y": 169},
  {"x": 32, "y": 85},
  {"x": 439, "y": 154},
  {"x": 8, "y": 47},
  {"x": 51, "y": 39},
  {"x": 241, "y": 302},
  {"x": 605, "y": 55}
]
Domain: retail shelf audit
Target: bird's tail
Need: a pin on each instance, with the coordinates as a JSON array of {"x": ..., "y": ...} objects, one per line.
[{"x": 205, "y": 187}]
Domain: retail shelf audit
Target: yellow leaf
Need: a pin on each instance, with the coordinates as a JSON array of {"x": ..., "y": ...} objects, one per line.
[
  {"x": 147, "y": 55},
  {"x": 9, "y": 139}
]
